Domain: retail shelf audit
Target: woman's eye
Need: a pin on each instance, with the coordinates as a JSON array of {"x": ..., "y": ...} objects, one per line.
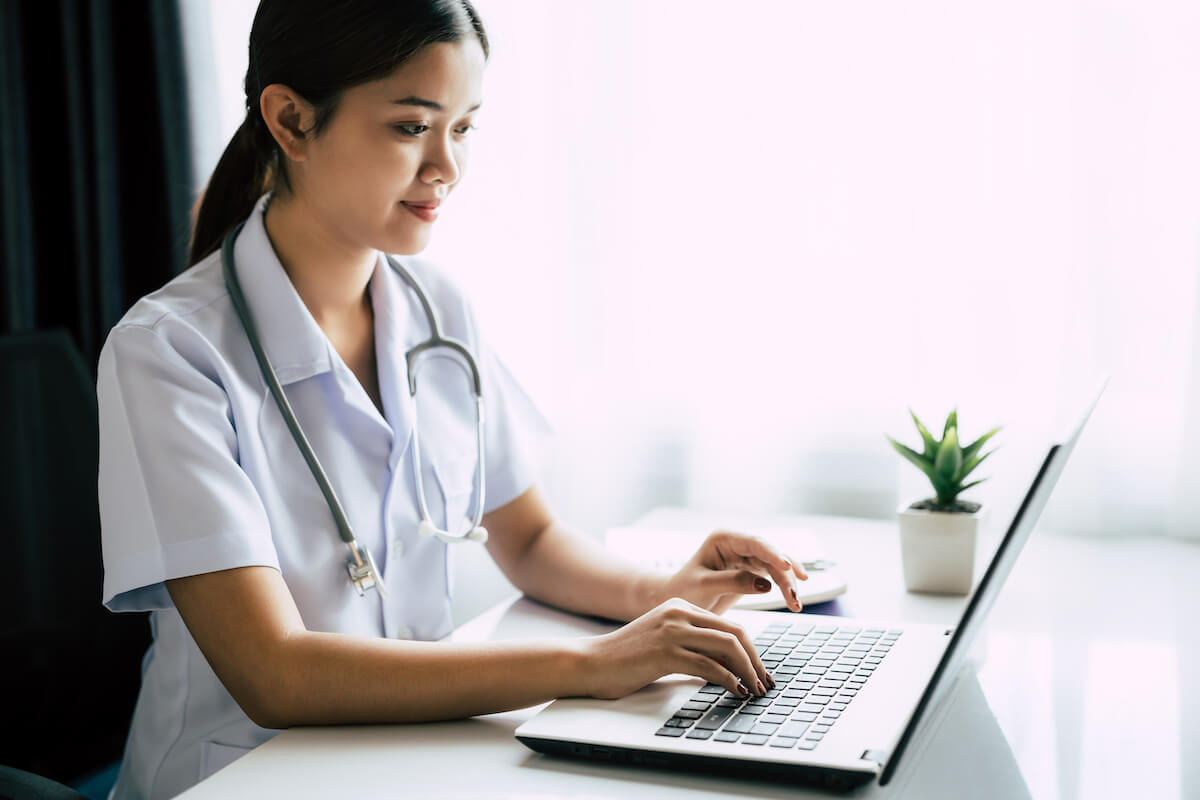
[{"x": 417, "y": 130}]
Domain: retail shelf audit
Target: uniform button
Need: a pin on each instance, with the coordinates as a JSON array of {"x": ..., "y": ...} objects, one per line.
[{"x": 404, "y": 632}]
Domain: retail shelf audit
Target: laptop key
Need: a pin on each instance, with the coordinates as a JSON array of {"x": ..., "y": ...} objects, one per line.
[
  {"x": 807, "y": 744},
  {"x": 696, "y": 733},
  {"x": 764, "y": 730},
  {"x": 690, "y": 706},
  {"x": 817, "y": 709},
  {"x": 783, "y": 741},
  {"x": 714, "y": 719},
  {"x": 688, "y": 714},
  {"x": 754, "y": 739},
  {"x": 806, "y": 716},
  {"x": 795, "y": 729},
  {"x": 773, "y": 719},
  {"x": 742, "y": 723},
  {"x": 726, "y": 736},
  {"x": 664, "y": 731},
  {"x": 678, "y": 722}
]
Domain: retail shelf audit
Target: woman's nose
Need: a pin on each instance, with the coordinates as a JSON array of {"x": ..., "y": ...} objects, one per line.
[{"x": 442, "y": 162}]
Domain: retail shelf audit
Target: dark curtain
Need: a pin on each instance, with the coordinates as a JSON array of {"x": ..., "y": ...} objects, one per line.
[
  {"x": 96, "y": 180},
  {"x": 95, "y": 160}
]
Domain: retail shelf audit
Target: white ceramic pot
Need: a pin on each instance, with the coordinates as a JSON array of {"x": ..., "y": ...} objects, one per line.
[{"x": 937, "y": 549}]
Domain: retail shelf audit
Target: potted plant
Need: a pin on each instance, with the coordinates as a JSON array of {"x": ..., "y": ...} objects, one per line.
[{"x": 938, "y": 534}]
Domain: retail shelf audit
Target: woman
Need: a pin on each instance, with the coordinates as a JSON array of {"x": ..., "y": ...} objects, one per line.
[{"x": 357, "y": 129}]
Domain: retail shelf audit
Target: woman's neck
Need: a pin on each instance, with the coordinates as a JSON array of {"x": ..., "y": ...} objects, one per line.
[{"x": 330, "y": 278}]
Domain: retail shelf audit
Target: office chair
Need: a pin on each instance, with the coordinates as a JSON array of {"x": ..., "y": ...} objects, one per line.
[{"x": 71, "y": 669}]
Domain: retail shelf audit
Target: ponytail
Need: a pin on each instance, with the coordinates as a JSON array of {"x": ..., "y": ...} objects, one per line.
[{"x": 240, "y": 178}]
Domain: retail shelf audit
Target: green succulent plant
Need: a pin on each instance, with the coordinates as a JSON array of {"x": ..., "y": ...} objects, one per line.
[{"x": 945, "y": 462}]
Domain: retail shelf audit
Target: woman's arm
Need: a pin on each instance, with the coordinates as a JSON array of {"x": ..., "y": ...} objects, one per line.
[
  {"x": 560, "y": 567},
  {"x": 247, "y": 625}
]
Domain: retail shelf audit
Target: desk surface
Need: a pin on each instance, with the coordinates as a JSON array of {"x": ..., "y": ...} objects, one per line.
[{"x": 1081, "y": 685}]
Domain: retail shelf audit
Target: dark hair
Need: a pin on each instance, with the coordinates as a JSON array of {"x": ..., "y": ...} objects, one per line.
[{"x": 318, "y": 48}]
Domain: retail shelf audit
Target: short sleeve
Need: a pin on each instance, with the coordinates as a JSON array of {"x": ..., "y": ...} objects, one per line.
[
  {"x": 174, "y": 501},
  {"x": 517, "y": 433}
]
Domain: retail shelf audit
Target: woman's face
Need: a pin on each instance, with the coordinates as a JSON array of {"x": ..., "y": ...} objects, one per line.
[{"x": 378, "y": 154}]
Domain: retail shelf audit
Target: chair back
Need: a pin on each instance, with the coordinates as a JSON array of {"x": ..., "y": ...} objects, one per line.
[{"x": 71, "y": 669}]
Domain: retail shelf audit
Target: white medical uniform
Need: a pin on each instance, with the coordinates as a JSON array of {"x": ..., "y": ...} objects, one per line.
[{"x": 198, "y": 472}]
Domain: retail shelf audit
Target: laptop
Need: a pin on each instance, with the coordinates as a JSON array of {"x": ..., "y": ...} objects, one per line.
[{"x": 851, "y": 693}]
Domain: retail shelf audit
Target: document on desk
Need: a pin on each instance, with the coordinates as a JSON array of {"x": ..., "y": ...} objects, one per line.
[{"x": 666, "y": 550}]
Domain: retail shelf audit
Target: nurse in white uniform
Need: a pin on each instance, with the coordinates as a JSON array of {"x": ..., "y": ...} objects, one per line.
[{"x": 357, "y": 129}]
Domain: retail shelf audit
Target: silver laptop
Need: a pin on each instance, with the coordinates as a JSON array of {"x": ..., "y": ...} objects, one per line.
[{"x": 850, "y": 696}]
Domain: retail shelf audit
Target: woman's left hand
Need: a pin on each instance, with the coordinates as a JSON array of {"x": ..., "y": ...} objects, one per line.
[{"x": 729, "y": 565}]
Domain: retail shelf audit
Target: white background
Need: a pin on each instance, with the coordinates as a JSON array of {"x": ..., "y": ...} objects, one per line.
[{"x": 726, "y": 248}]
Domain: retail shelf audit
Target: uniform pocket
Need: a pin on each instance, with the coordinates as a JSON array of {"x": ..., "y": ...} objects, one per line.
[
  {"x": 216, "y": 756},
  {"x": 456, "y": 480}
]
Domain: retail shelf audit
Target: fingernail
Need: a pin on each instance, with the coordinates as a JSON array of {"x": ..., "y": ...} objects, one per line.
[
  {"x": 742, "y": 690},
  {"x": 762, "y": 584},
  {"x": 761, "y": 689},
  {"x": 770, "y": 682}
]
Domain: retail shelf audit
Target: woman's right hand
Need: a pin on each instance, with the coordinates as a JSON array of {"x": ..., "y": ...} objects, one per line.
[{"x": 674, "y": 637}]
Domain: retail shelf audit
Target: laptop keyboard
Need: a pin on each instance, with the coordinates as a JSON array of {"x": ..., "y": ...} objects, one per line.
[{"x": 818, "y": 670}]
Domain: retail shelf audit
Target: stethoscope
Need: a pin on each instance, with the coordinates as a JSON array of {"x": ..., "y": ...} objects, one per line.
[{"x": 363, "y": 572}]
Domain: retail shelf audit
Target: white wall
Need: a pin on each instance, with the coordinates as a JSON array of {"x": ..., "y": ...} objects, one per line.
[{"x": 726, "y": 247}]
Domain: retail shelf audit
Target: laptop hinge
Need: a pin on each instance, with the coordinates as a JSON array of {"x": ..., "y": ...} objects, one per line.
[{"x": 878, "y": 756}]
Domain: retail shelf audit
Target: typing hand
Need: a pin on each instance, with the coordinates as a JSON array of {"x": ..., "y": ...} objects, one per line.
[{"x": 729, "y": 565}]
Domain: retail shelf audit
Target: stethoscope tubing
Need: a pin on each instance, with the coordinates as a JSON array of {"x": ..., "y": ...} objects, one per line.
[{"x": 363, "y": 571}]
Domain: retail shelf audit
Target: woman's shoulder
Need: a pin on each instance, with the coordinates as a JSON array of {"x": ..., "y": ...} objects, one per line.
[
  {"x": 196, "y": 288},
  {"x": 184, "y": 315}
]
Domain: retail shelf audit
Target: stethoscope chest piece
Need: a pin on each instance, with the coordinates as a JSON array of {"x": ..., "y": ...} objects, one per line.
[{"x": 364, "y": 574}]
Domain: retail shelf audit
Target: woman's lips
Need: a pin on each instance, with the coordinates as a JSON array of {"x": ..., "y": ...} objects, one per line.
[{"x": 429, "y": 214}]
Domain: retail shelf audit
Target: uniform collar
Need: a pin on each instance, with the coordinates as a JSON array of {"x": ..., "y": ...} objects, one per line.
[
  {"x": 297, "y": 346},
  {"x": 294, "y": 342}
]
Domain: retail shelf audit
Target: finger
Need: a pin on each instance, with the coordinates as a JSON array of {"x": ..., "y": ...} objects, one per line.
[
  {"x": 725, "y": 647},
  {"x": 797, "y": 566},
  {"x": 691, "y": 662},
  {"x": 702, "y": 618},
  {"x": 738, "y": 581},
  {"x": 734, "y": 546}
]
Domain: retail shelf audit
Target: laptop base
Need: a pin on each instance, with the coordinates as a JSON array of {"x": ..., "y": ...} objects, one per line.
[{"x": 825, "y": 777}]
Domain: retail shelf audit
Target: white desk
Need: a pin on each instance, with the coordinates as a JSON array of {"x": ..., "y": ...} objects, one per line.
[{"x": 1049, "y": 706}]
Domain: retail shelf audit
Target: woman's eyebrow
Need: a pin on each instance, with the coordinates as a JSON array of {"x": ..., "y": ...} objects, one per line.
[{"x": 413, "y": 100}]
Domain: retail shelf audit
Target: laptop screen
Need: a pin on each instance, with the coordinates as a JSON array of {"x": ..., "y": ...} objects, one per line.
[{"x": 989, "y": 586}]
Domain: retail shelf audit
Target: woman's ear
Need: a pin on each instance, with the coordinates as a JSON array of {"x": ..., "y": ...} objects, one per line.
[{"x": 288, "y": 117}]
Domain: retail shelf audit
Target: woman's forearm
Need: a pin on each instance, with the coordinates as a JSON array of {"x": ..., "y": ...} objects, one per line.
[
  {"x": 332, "y": 678},
  {"x": 573, "y": 572}
]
